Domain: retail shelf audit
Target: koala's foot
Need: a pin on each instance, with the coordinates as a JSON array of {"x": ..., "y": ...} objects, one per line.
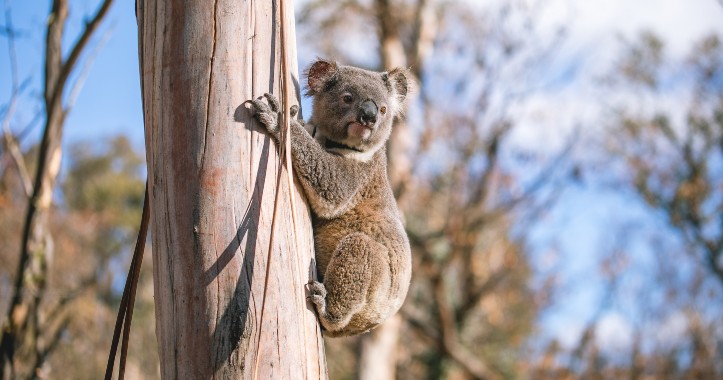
[
  {"x": 317, "y": 294},
  {"x": 269, "y": 114}
]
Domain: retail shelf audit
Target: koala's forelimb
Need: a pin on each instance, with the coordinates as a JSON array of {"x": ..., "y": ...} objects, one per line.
[{"x": 317, "y": 170}]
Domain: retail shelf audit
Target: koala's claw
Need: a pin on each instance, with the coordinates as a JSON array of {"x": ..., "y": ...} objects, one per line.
[
  {"x": 273, "y": 102},
  {"x": 317, "y": 292},
  {"x": 316, "y": 287},
  {"x": 316, "y": 299},
  {"x": 268, "y": 112},
  {"x": 264, "y": 114}
]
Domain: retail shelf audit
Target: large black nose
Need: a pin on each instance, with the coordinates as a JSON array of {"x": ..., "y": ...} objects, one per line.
[{"x": 368, "y": 112}]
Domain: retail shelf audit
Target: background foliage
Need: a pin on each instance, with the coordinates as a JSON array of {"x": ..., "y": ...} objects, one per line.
[{"x": 548, "y": 242}]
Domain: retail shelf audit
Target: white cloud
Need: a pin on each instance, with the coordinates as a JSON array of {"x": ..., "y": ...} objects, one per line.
[
  {"x": 614, "y": 332},
  {"x": 678, "y": 22},
  {"x": 589, "y": 51},
  {"x": 671, "y": 331},
  {"x": 569, "y": 337}
]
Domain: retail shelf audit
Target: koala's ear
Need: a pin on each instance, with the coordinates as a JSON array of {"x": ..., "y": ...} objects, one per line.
[
  {"x": 319, "y": 74},
  {"x": 399, "y": 81}
]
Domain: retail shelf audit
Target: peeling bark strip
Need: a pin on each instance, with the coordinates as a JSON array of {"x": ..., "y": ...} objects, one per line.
[{"x": 212, "y": 177}]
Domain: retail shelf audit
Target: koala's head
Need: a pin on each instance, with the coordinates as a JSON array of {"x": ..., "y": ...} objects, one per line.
[{"x": 354, "y": 108}]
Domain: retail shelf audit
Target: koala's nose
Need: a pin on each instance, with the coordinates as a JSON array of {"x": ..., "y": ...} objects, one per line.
[{"x": 368, "y": 112}]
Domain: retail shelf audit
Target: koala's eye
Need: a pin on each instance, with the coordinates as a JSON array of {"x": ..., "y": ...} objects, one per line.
[
  {"x": 383, "y": 110},
  {"x": 347, "y": 98}
]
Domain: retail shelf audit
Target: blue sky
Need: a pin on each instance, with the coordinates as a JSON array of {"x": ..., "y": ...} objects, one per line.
[
  {"x": 110, "y": 104},
  {"x": 110, "y": 99},
  {"x": 595, "y": 28}
]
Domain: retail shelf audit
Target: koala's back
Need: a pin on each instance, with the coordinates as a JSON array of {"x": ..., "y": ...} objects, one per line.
[{"x": 374, "y": 214}]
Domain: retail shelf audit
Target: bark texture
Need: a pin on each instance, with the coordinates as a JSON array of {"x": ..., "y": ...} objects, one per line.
[{"x": 212, "y": 178}]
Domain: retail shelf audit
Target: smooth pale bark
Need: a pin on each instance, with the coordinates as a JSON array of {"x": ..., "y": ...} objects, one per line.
[
  {"x": 212, "y": 178},
  {"x": 378, "y": 351}
]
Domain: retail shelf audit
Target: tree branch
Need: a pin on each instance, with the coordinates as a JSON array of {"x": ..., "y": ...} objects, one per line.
[
  {"x": 44, "y": 352},
  {"x": 67, "y": 67},
  {"x": 449, "y": 339},
  {"x": 78, "y": 85},
  {"x": 476, "y": 295},
  {"x": 68, "y": 298},
  {"x": 36, "y": 243},
  {"x": 11, "y": 144}
]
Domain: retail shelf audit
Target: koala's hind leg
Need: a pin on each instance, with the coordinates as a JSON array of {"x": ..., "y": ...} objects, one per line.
[{"x": 358, "y": 270}]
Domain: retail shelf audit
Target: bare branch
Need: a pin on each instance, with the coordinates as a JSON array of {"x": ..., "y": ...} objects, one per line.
[
  {"x": 474, "y": 365},
  {"x": 11, "y": 144},
  {"x": 78, "y": 85},
  {"x": 29, "y": 126},
  {"x": 480, "y": 292},
  {"x": 68, "y": 298},
  {"x": 13, "y": 149},
  {"x": 36, "y": 243},
  {"x": 44, "y": 352},
  {"x": 67, "y": 67},
  {"x": 423, "y": 328}
]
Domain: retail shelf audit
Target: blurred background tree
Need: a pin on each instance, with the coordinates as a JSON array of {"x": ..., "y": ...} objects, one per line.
[
  {"x": 58, "y": 303},
  {"x": 471, "y": 306},
  {"x": 498, "y": 290},
  {"x": 665, "y": 152},
  {"x": 94, "y": 223}
]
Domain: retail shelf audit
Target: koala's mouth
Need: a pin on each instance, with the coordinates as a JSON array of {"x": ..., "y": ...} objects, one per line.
[
  {"x": 330, "y": 144},
  {"x": 360, "y": 131}
]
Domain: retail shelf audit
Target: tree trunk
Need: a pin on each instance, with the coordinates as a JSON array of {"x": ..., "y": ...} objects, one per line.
[
  {"x": 391, "y": 51},
  {"x": 378, "y": 351},
  {"x": 212, "y": 179}
]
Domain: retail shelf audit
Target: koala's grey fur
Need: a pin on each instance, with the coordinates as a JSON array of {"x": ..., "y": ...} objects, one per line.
[{"x": 362, "y": 250}]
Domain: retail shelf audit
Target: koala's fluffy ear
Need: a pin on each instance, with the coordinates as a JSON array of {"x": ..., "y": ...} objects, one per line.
[
  {"x": 398, "y": 80},
  {"x": 319, "y": 74}
]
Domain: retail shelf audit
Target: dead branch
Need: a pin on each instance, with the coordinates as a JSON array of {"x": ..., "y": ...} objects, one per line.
[
  {"x": 450, "y": 342},
  {"x": 36, "y": 244},
  {"x": 11, "y": 144}
]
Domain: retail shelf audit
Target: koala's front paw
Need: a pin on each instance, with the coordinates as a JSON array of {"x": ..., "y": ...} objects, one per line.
[
  {"x": 317, "y": 294},
  {"x": 267, "y": 114}
]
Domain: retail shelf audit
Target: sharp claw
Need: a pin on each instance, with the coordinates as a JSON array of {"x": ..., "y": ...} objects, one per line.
[
  {"x": 316, "y": 300},
  {"x": 272, "y": 102},
  {"x": 260, "y": 107}
]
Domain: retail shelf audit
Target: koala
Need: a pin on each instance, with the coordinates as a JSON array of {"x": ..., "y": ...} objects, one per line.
[{"x": 362, "y": 251}]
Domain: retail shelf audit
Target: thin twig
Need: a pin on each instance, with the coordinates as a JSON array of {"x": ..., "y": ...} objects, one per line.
[
  {"x": 78, "y": 85},
  {"x": 475, "y": 366},
  {"x": 69, "y": 64},
  {"x": 11, "y": 143},
  {"x": 68, "y": 298}
]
